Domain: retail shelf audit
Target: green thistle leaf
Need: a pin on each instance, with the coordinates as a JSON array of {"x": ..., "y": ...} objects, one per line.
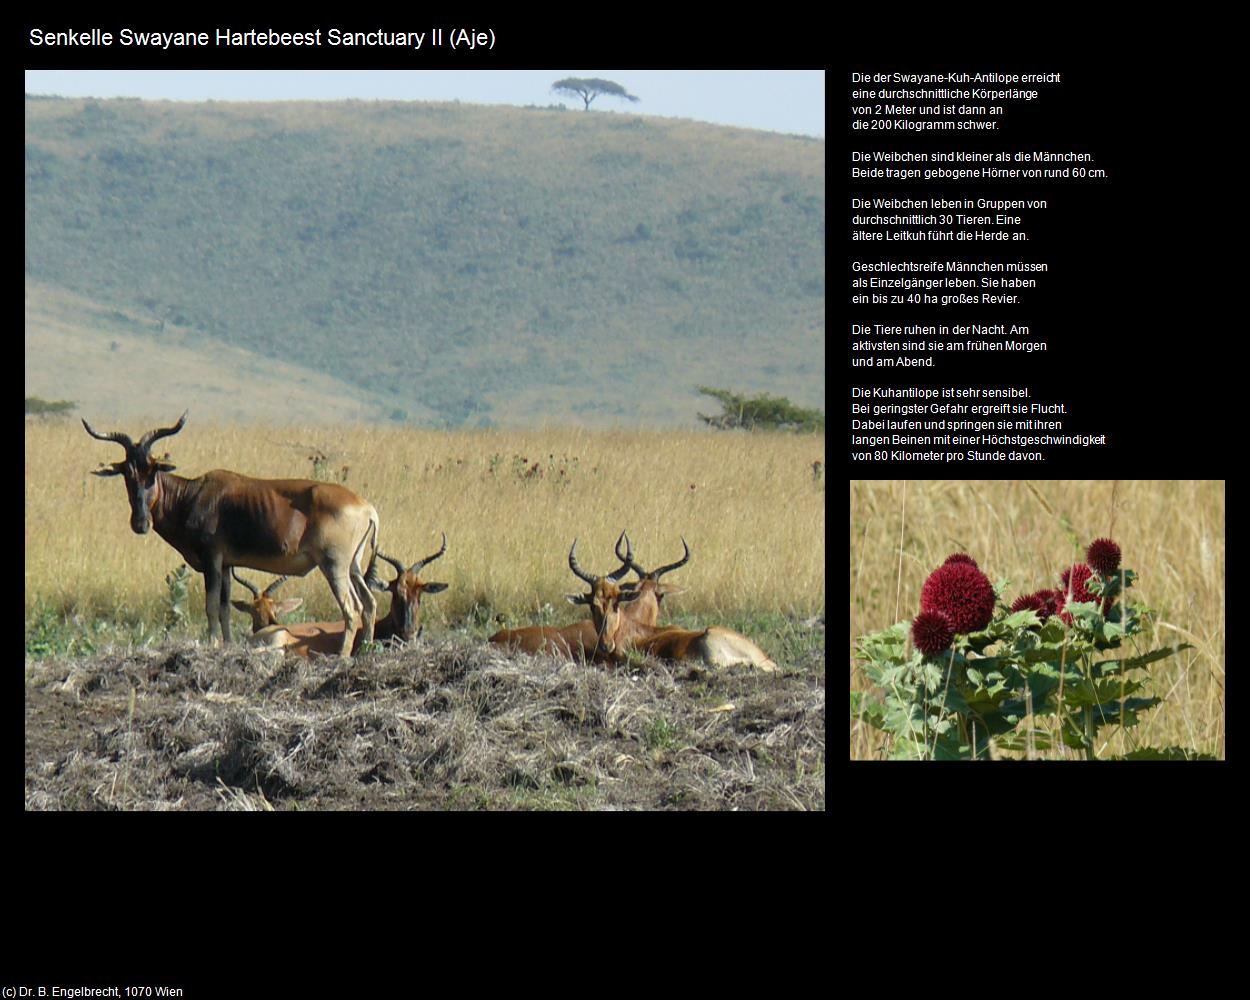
[{"x": 1022, "y": 619}]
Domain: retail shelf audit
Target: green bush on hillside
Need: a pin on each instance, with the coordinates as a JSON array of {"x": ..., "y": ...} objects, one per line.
[
  {"x": 41, "y": 407},
  {"x": 762, "y": 412}
]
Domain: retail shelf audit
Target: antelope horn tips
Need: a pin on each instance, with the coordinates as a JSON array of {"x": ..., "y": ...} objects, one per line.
[
  {"x": 160, "y": 432},
  {"x": 660, "y": 571},
  {"x": 577, "y": 570},
  {"x": 395, "y": 563},
  {"x": 235, "y": 573},
  {"x": 117, "y": 436},
  {"x": 420, "y": 564}
]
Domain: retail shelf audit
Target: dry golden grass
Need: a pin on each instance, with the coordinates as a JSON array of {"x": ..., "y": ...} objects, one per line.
[
  {"x": 747, "y": 504},
  {"x": 1170, "y": 531}
]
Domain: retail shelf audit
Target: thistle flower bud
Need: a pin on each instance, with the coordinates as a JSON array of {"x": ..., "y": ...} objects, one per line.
[
  {"x": 1041, "y": 601},
  {"x": 932, "y": 632},
  {"x": 1104, "y": 556}
]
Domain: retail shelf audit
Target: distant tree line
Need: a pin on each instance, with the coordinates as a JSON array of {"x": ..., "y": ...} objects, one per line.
[
  {"x": 40, "y": 407},
  {"x": 762, "y": 412}
]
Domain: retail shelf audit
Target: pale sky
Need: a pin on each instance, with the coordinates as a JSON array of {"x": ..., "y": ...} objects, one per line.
[{"x": 775, "y": 100}]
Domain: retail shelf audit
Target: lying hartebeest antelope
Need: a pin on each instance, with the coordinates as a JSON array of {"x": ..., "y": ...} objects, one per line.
[
  {"x": 651, "y": 593},
  {"x": 635, "y": 625},
  {"x": 582, "y": 640},
  {"x": 402, "y": 622},
  {"x": 223, "y": 519},
  {"x": 262, "y": 608}
]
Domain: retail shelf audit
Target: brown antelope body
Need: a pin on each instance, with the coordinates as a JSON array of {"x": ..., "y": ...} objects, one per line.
[
  {"x": 583, "y": 640},
  {"x": 402, "y": 622},
  {"x": 574, "y": 642},
  {"x": 222, "y": 520},
  {"x": 714, "y": 645}
]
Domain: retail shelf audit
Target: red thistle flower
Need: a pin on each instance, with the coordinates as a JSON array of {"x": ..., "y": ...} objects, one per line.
[
  {"x": 1076, "y": 582},
  {"x": 961, "y": 592},
  {"x": 932, "y": 632},
  {"x": 961, "y": 557},
  {"x": 1042, "y": 601},
  {"x": 1104, "y": 555},
  {"x": 1054, "y": 600}
]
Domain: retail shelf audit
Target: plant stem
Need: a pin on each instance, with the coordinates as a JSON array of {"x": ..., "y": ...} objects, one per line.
[{"x": 1089, "y": 711}]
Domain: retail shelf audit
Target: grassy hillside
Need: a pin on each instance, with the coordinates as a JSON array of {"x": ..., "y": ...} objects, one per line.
[
  {"x": 446, "y": 263},
  {"x": 95, "y": 355}
]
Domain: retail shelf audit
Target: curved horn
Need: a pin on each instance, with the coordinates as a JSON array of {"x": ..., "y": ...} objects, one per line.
[
  {"x": 154, "y": 435},
  {"x": 625, "y": 567},
  {"x": 660, "y": 571},
  {"x": 274, "y": 586},
  {"x": 255, "y": 593},
  {"x": 628, "y": 557},
  {"x": 577, "y": 570},
  {"x": 399, "y": 567},
  {"x": 118, "y": 436},
  {"x": 417, "y": 567}
]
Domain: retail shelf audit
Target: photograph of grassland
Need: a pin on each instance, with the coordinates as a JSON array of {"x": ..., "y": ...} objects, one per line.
[
  {"x": 113, "y": 635},
  {"x": 512, "y": 327},
  {"x": 1153, "y": 625}
]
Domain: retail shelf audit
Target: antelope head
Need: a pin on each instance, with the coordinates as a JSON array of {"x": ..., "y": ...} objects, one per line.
[
  {"x": 648, "y": 611},
  {"x": 406, "y": 591},
  {"x": 262, "y": 607},
  {"x": 604, "y": 600},
  {"x": 140, "y": 470}
]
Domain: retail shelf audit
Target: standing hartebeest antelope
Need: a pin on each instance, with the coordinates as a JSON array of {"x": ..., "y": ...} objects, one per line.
[
  {"x": 222, "y": 520},
  {"x": 584, "y": 639},
  {"x": 635, "y": 625},
  {"x": 402, "y": 622}
]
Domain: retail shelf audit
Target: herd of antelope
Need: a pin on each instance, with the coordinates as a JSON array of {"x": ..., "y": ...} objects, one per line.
[{"x": 222, "y": 521}]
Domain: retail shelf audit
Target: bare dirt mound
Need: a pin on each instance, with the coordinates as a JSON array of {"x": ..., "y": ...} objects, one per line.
[{"x": 448, "y": 724}]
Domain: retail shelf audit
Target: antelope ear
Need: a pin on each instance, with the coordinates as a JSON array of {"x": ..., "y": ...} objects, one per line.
[
  {"x": 109, "y": 470},
  {"x": 577, "y": 598},
  {"x": 669, "y": 588},
  {"x": 244, "y": 606},
  {"x": 164, "y": 466},
  {"x": 628, "y": 595},
  {"x": 287, "y": 606},
  {"x": 435, "y": 588},
  {"x": 376, "y": 584}
]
